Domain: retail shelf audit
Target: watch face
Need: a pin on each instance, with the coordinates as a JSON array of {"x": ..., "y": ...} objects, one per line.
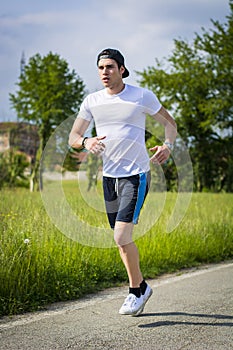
[{"x": 169, "y": 145}]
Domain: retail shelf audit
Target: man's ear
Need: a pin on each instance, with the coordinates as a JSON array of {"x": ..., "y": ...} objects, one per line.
[{"x": 122, "y": 69}]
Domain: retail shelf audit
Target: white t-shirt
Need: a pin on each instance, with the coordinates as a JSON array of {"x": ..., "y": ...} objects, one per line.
[{"x": 121, "y": 118}]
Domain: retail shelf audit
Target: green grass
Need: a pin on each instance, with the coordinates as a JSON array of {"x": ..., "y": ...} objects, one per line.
[{"x": 51, "y": 267}]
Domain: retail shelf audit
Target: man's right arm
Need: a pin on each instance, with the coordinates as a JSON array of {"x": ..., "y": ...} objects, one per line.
[
  {"x": 92, "y": 144},
  {"x": 76, "y": 135}
]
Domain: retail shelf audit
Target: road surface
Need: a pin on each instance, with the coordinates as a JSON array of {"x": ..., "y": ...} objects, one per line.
[{"x": 191, "y": 310}]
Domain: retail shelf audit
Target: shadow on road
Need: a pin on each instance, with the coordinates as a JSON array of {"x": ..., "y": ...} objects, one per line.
[{"x": 187, "y": 323}]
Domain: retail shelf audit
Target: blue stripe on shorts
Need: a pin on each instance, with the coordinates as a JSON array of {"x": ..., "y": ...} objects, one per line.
[{"x": 141, "y": 196}]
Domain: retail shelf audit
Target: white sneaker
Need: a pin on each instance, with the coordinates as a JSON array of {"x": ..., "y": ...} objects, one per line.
[
  {"x": 131, "y": 305},
  {"x": 148, "y": 293},
  {"x": 145, "y": 297}
]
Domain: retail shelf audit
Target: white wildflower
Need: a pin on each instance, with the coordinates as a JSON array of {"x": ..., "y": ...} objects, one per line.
[{"x": 27, "y": 241}]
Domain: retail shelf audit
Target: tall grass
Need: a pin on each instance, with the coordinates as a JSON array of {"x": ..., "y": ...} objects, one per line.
[{"x": 40, "y": 265}]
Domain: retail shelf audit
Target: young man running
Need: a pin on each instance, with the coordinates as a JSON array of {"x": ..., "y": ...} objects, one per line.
[{"x": 119, "y": 111}]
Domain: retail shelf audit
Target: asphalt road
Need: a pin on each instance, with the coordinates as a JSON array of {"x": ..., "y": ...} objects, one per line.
[{"x": 190, "y": 310}]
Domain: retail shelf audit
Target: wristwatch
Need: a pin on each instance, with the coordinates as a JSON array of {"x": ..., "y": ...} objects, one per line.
[
  {"x": 84, "y": 142},
  {"x": 169, "y": 145}
]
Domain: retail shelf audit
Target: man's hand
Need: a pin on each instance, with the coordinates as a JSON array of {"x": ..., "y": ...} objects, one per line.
[
  {"x": 162, "y": 153},
  {"x": 95, "y": 144}
]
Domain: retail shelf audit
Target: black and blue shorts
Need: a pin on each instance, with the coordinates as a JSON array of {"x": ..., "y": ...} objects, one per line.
[{"x": 124, "y": 197}]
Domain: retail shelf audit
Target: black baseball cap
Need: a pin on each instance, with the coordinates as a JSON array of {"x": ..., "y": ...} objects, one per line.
[{"x": 115, "y": 55}]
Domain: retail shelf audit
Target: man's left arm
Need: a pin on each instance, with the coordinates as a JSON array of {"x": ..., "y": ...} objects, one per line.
[{"x": 162, "y": 153}]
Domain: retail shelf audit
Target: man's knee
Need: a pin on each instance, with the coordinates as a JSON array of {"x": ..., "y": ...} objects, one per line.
[
  {"x": 123, "y": 233},
  {"x": 122, "y": 240}
]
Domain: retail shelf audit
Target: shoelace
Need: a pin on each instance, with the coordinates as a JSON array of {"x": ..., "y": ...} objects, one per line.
[{"x": 130, "y": 299}]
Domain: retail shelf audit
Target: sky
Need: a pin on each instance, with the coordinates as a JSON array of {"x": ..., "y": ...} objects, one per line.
[{"x": 78, "y": 30}]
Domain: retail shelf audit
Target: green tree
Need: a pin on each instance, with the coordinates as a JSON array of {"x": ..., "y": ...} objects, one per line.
[
  {"x": 196, "y": 84},
  {"x": 49, "y": 92}
]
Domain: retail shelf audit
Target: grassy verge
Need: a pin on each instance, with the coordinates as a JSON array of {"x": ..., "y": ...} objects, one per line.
[{"x": 40, "y": 265}]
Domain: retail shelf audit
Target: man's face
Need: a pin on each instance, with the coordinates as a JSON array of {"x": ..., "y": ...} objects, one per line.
[{"x": 109, "y": 72}]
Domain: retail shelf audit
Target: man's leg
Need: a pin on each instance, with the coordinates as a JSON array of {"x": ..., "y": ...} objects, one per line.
[
  {"x": 139, "y": 291},
  {"x": 129, "y": 253}
]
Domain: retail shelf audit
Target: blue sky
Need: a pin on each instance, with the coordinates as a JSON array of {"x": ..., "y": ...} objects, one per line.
[{"x": 79, "y": 29}]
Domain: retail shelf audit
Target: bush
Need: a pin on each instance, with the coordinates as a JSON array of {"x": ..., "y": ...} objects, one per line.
[{"x": 12, "y": 169}]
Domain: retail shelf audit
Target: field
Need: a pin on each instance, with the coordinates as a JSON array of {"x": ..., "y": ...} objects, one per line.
[{"x": 39, "y": 264}]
